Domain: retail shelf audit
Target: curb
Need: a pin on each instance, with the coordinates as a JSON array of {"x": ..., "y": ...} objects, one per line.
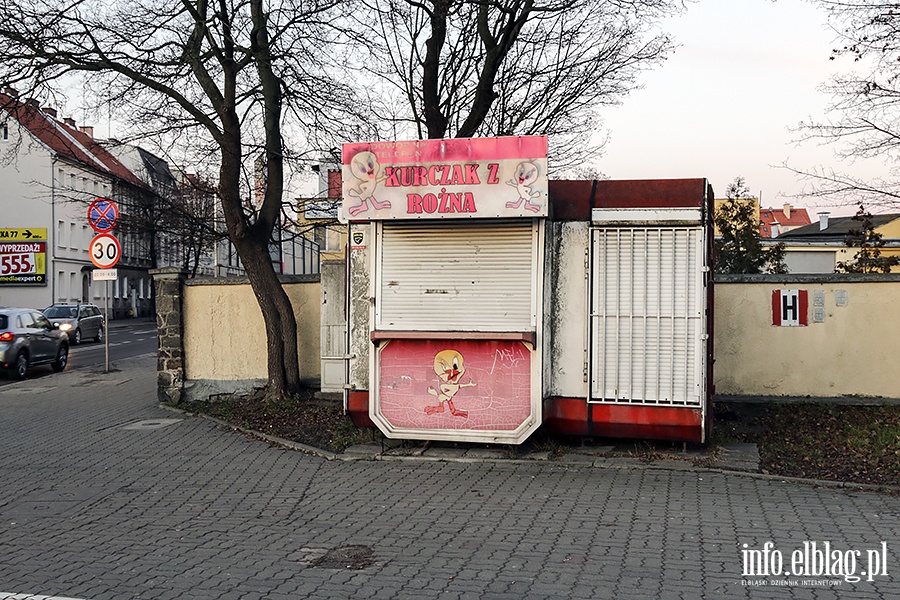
[{"x": 612, "y": 463}]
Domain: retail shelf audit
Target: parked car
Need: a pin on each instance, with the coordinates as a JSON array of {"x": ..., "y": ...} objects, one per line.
[
  {"x": 80, "y": 321},
  {"x": 28, "y": 338}
]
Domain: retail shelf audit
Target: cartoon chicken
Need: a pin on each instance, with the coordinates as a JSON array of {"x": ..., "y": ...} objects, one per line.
[
  {"x": 449, "y": 367},
  {"x": 525, "y": 176},
  {"x": 365, "y": 168}
]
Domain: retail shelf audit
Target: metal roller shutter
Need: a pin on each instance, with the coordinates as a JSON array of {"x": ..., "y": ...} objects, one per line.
[
  {"x": 647, "y": 316},
  {"x": 469, "y": 277}
]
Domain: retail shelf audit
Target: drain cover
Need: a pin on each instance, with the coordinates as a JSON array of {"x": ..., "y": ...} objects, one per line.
[
  {"x": 152, "y": 424},
  {"x": 353, "y": 558}
]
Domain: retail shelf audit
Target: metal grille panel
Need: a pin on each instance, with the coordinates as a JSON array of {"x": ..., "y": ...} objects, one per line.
[{"x": 647, "y": 316}]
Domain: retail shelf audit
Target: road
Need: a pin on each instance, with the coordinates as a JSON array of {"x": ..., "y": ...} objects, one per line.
[{"x": 126, "y": 339}]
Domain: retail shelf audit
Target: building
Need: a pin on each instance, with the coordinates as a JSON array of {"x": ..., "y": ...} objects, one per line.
[
  {"x": 51, "y": 171},
  {"x": 819, "y": 247},
  {"x": 775, "y": 221}
]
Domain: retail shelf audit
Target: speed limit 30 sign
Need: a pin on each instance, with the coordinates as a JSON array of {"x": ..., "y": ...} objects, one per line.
[{"x": 105, "y": 251}]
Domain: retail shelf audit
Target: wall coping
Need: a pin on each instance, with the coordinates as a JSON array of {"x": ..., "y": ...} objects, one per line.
[
  {"x": 824, "y": 278},
  {"x": 244, "y": 280}
]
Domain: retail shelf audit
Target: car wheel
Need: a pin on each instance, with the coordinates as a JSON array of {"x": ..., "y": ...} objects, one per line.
[
  {"x": 62, "y": 359},
  {"x": 99, "y": 337},
  {"x": 77, "y": 339},
  {"x": 19, "y": 367}
]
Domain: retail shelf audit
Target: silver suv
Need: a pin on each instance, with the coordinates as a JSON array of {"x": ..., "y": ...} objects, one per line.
[
  {"x": 80, "y": 321},
  {"x": 28, "y": 338}
]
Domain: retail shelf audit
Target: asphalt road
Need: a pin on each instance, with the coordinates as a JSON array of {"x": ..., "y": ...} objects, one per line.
[{"x": 126, "y": 339}]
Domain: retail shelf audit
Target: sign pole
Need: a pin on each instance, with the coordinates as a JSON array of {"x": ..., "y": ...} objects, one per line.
[{"x": 106, "y": 325}]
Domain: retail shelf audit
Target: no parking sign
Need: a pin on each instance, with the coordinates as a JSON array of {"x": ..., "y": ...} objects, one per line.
[{"x": 103, "y": 214}]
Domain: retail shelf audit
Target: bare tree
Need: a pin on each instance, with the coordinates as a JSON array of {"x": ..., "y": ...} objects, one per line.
[
  {"x": 866, "y": 106},
  {"x": 228, "y": 75},
  {"x": 465, "y": 68}
]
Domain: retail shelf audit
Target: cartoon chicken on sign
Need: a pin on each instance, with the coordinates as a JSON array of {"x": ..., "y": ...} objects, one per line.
[
  {"x": 449, "y": 367},
  {"x": 525, "y": 176},
  {"x": 366, "y": 170}
]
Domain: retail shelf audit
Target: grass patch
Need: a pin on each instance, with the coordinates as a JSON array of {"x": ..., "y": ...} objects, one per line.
[{"x": 843, "y": 443}]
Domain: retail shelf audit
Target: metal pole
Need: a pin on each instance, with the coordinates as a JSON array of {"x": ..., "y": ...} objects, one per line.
[{"x": 106, "y": 337}]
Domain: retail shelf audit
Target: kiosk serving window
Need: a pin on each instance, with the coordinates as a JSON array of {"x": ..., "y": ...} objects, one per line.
[{"x": 468, "y": 276}]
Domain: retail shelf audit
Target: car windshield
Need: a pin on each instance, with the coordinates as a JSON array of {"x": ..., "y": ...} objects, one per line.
[
  {"x": 4, "y": 322},
  {"x": 61, "y": 312}
]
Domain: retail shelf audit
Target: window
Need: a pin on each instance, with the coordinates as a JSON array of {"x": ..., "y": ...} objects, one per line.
[
  {"x": 60, "y": 234},
  {"x": 4, "y": 131},
  {"x": 41, "y": 322},
  {"x": 432, "y": 277},
  {"x": 61, "y": 280},
  {"x": 73, "y": 239},
  {"x": 61, "y": 179}
]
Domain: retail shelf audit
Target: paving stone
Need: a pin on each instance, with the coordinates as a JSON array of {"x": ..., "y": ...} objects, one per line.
[{"x": 194, "y": 510}]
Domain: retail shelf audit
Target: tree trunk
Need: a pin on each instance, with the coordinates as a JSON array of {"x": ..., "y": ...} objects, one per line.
[{"x": 278, "y": 314}]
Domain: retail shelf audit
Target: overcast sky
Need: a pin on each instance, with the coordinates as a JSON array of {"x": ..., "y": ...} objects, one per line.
[{"x": 744, "y": 74}]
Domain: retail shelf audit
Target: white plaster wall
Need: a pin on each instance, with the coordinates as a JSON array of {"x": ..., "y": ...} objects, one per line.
[
  {"x": 567, "y": 318},
  {"x": 33, "y": 196}
]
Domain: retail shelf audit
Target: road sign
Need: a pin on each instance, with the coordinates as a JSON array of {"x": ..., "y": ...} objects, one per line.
[
  {"x": 105, "y": 251},
  {"x": 103, "y": 214},
  {"x": 105, "y": 274}
]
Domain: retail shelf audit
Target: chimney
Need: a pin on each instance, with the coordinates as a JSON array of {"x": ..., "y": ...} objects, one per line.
[
  {"x": 70, "y": 122},
  {"x": 11, "y": 92},
  {"x": 823, "y": 220},
  {"x": 87, "y": 129},
  {"x": 787, "y": 210},
  {"x": 49, "y": 111}
]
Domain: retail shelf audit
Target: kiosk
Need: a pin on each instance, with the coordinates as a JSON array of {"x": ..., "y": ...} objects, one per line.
[{"x": 486, "y": 301}]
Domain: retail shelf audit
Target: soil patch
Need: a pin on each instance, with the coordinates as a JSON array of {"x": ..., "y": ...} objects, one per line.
[{"x": 859, "y": 444}]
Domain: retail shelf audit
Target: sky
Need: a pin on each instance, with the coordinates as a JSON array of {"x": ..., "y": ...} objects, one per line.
[{"x": 723, "y": 105}]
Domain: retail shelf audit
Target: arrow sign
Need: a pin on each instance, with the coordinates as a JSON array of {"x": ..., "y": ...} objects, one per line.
[
  {"x": 27, "y": 235},
  {"x": 103, "y": 214}
]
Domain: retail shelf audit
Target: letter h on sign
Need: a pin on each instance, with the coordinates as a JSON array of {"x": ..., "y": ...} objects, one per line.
[{"x": 790, "y": 308}]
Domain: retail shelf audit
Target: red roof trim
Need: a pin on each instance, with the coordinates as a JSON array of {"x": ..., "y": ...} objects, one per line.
[{"x": 67, "y": 141}]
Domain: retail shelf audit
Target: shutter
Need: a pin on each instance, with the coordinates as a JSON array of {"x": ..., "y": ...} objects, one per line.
[
  {"x": 466, "y": 276},
  {"x": 647, "y": 316}
]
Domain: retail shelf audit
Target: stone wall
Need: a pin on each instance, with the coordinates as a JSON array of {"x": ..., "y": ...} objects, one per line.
[{"x": 169, "y": 290}]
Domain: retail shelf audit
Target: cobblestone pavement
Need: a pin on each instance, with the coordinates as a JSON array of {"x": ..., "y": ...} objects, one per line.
[{"x": 106, "y": 495}]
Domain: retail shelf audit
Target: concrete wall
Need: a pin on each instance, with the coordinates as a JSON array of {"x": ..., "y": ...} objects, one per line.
[
  {"x": 224, "y": 333},
  {"x": 852, "y": 351}
]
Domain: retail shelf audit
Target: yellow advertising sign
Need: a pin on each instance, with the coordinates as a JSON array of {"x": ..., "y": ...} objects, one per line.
[{"x": 23, "y": 256}]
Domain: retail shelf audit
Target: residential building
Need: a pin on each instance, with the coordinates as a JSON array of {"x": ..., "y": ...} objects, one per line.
[
  {"x": 777, "y": 221},
  {"x": 819, "y": 247},
  {"x": 51, "y": 171}
]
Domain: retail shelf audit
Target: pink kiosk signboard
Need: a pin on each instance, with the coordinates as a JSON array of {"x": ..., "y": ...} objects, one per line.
[{"x": 447, "y": 237}]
